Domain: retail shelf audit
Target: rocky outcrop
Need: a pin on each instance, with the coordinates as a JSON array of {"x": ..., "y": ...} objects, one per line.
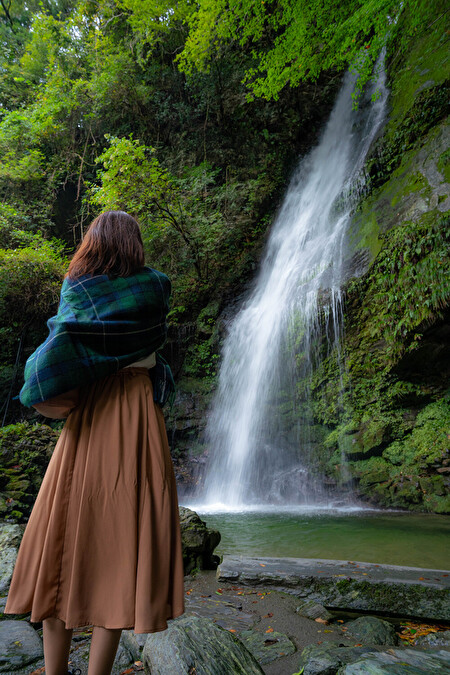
[{"x": 198, "y": 542}]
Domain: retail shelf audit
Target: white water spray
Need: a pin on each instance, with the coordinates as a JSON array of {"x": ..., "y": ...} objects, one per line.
[{"x": 275, "y": 335}]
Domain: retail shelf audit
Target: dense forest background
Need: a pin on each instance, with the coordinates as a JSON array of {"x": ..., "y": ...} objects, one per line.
[{"x": 192, "y": 117}]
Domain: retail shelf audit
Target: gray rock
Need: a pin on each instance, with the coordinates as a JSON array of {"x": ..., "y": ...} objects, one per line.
[
  {"x": 19, "y": 645},
  {"x": 223, "y": 610},
  {"x": 198, "y": 542},
  {"x": 267, "y": 647},
  {"x": 133, "y": 642},
  {"x": 10, "y": 537},
  {"x": 327, "y": 658},
  {"x": 123, "y": 660},
  {"x": 400, "y": 662},
  {"x": 372, "y": 631},
  {"x": 313, "y": 610},
  {"x": 195, "y": 644},
  {"x": 439, "y": 639}
]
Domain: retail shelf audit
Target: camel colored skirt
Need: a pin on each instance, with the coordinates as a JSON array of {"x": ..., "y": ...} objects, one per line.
[{"x": 102, "y": 546}]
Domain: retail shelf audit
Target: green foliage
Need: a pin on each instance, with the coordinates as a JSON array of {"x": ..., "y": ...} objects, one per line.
[
  {"x": 292, "y": 41},
  {"x": 30, "y": 281}
]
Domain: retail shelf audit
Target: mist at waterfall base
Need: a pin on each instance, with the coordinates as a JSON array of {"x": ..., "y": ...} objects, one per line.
[{"x": 259, "y": 445}]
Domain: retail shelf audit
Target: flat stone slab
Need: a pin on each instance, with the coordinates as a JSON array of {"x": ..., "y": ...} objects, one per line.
[
  {"x": 220, "y": 609},
  {"x": 348, "y": 585},
  {"x": 400, "y": 662},
  {"x": 267, "y": 647}
]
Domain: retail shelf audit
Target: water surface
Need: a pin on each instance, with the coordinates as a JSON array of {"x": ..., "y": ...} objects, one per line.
[{"x": 396, "y": 538}]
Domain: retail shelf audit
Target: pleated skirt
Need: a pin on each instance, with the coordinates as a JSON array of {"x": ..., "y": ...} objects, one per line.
[{"x": 102, "y": 546}]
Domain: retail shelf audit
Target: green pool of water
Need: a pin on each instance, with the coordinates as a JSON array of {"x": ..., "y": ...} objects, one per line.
[{"x": 368, "y": 536}]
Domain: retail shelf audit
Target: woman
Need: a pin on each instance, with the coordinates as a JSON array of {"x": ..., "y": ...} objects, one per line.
[{"x": 102, "y": 546}]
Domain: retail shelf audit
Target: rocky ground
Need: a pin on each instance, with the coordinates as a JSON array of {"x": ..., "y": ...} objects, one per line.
[
  {"x": 264, "y": 616},
  {"x": 278, "y": 633}
]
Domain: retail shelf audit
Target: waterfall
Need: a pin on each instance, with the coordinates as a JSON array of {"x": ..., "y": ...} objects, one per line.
[{"x": 275, "y": 336}]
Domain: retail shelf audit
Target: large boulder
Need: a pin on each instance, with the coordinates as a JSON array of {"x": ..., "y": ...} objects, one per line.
[
  {"x": 197, "y": 645},
  {"x": 198, "y": 542},
  {"x": 327, "y": 658},
  {"x": 20, "y": 645},
  {"x": 10, "y": 537},
  {"x": 372, "y": 631}
]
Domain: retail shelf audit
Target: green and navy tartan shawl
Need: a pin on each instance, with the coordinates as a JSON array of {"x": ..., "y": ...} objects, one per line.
[{"x": 102, "y": 325}]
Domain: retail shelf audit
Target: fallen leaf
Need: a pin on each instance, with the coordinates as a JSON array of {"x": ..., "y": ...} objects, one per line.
[
  {"x": 232, "y": 630},
  {"x": 269, "y": 630},
  {"x": 39, "y": 671},
  {"x": 261, "y": 565},
  {"x": 319, "y": 620},
  {"x": 340, "y": 620},
  {"x": 268, "y": 616},
  {"x": 421, "y": 578},
  {"x": 359, "y": 644},
  {"x": 327, "y": 631},
  {"x": 138, "y": 663}
]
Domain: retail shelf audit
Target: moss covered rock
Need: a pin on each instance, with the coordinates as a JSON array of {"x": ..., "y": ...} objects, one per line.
[
  {"x": 25, "y": 450},
  {"x": 198, "y": 542}
]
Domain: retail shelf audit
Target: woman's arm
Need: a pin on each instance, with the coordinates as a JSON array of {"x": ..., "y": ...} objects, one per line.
[{"x": 60, "y": 406}]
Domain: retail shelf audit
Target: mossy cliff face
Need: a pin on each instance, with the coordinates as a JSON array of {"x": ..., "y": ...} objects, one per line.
[{"x": 392, "y": 421}]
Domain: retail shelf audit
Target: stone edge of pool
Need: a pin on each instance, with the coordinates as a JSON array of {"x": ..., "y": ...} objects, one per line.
[{"x": 348, "y": 585}]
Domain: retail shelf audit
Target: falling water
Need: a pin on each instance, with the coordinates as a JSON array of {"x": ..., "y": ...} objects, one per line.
[{"x": 275, "y": 337}]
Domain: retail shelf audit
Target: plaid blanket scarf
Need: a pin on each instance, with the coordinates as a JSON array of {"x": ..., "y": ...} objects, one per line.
[{"x": 102, "y": 325}]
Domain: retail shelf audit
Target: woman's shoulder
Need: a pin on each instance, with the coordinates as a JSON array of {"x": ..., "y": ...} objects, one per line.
[{"x": 146, "y": 280}]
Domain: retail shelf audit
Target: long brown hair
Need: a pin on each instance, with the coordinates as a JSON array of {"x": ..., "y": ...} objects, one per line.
[{"x": 112, "y": 245}]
